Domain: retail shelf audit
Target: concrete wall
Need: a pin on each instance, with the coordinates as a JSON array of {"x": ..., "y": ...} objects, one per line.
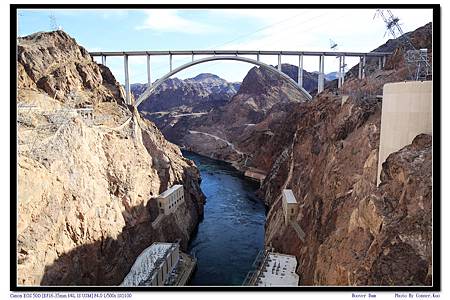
[
  {"x": 407, "y": 110},
  {"x": 169, "y": 262}
]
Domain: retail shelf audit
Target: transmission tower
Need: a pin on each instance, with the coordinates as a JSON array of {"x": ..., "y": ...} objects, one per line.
[
  {"x": 53, "y": 24},
  {"x": 418, "y": 59}
]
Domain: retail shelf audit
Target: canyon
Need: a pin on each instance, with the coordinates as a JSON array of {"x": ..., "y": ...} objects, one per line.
[{"x": 87, "y": 185}]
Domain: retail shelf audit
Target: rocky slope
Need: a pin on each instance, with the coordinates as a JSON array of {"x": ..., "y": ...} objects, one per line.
[
  {"x": 86, "y": 186},
  {"x": 355, "y": 232}
]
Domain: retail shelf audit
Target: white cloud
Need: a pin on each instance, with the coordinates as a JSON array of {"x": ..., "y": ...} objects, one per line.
[
  {"x": 170, "y": 21},
  {"x": 353, "y": 30}
]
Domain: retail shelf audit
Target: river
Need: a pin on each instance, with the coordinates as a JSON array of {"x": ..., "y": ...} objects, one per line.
[{"x": 232, "y": 230}]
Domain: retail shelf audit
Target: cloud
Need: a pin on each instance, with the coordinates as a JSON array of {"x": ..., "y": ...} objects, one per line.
[{"x": 171, "y": 21}]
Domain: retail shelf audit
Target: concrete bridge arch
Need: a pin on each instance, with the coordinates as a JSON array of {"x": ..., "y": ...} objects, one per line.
[{"x": 155, "y": 85}]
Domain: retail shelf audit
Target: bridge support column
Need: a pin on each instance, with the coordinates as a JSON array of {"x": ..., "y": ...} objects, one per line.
[
  {"x": 300, "y": 71},
  {"x": 364, "y": 67},
  {"x": 340, "y": 73},
  {"x": 149, "y": 77},
  {"x": 279, "y": 62},
  {"x": 343, "y": 71},
  {"x": 384, "y": 61},
  {"x": 320, "y": 82},
  {"x": 192, "y": 58},
  {"x": 170, "y": 59},
  {"x": 360, "y": 68},
  {"x": 104, "y": 60},
  {"x": 380, "y": 63},
  {"x": 127, "y": 80},
  {"x": 257, "y": 57}
]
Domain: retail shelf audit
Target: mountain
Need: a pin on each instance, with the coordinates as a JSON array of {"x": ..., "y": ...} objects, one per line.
[
  {"x": 197, "y": 94},
  {"x": 89, "y": 170},
  {"x": 331, "y": 76}
]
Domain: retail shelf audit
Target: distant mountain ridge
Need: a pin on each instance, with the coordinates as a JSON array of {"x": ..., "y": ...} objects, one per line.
[{"x": 198, "y": 94}]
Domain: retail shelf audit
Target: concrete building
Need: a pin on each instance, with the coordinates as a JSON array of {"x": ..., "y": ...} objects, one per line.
[
  {"x": 275, "y": 269},
  {"x": 406, "y": 112},
  {"x": 154, "y": 265},
  {"x": 290, "y": 207},
  {"x": 169, "y": 201}
]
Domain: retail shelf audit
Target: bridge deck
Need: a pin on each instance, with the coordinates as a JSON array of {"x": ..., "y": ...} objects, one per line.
[{"x": 238, "y": 52}]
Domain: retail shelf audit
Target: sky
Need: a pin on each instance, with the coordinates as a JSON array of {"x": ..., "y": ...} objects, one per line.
[{"x": 218, "y": 29}]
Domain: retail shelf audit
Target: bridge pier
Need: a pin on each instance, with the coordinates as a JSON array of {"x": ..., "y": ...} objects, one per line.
[
  {"x": 257, "y": 57},
  {"x": 104, "y": 60},
  {"x": 279, "y": 62},
  {"x": 320, "y": 82},
  {"x": 364, "y": 67},
  {"x": 360, "y": 68},
  {"x": 343, "y": 71},
  {"x": 127, "y": 80},
  {"x": 340, "y": 73},
  {"x": 300, "y": 71},
  {"x": 170, "y": 59},
  {"x": 384, "y": 61},
  {"x": 149, "y": 78},
  {"x": 380, "y": 62}
]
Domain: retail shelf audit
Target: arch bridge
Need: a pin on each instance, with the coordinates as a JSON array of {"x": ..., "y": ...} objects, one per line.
[{"x": 237, "y": 55}]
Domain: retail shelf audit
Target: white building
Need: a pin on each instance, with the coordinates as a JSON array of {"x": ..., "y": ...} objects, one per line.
[
  {"x": 277, "y": 270},
  {"x": 154, "y": 265},
  {"x": 290, "y": 207},
  {"x": 169, "y": 201}
]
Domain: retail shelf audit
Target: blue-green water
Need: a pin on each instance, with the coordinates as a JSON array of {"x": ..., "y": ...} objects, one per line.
[{"x": 232, "y": 231}]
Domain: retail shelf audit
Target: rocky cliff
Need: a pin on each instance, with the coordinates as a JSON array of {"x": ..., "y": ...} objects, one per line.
[
  {"x": 348, "y": 231},
  {"x": 89, "y": 169}
]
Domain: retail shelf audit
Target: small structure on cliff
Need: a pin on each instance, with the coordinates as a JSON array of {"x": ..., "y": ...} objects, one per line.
[
  {"x": 274, "y": 269},
  {"x": 290, "y": 208},
  {"x": 170, "y": 199}
]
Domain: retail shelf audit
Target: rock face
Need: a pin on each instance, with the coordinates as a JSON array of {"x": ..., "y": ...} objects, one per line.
[
  {"x": 87, "y": 187},
  {"x": 355, "y": 232},
  {"x": 75, "y": 71}
]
